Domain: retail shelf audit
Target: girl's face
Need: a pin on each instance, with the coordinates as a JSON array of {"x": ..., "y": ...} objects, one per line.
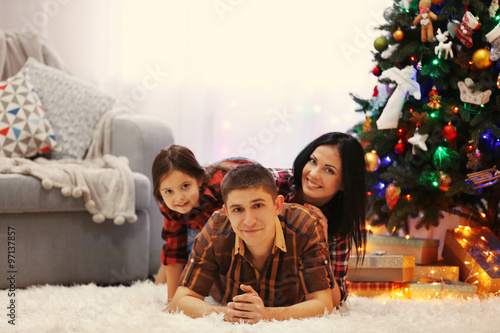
[
  {"x": 180, "y": 191},
  {"x": 322, "y": 175}
]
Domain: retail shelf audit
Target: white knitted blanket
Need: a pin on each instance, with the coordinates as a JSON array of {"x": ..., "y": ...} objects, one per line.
[{"x": 105, "y": 181}]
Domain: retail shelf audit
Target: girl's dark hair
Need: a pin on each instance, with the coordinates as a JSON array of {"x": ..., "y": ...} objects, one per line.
[
  {"x": 175, "y": 157},
  {"x": 347, "y": 209}
]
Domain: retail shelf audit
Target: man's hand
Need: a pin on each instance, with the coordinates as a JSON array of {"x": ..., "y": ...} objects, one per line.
[{"x": 248, "y": 308}]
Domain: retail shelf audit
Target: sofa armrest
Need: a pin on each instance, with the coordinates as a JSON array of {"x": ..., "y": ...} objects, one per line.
[{"x": 139, "y": 138}]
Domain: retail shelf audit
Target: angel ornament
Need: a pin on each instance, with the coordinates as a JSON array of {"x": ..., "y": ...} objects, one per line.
[{"x": 406, "y": 85}]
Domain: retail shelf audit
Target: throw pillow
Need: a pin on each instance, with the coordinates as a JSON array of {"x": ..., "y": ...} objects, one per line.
[
  {"x": 25, "y": 130},
  {"x": 73, "y": 107}
]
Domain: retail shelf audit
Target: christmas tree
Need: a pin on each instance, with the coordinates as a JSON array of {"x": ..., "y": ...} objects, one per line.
[{"x": 432, "y": 132}]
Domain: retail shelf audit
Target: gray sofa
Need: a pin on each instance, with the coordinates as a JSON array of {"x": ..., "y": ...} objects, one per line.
[{"x": 56, "y": 241}]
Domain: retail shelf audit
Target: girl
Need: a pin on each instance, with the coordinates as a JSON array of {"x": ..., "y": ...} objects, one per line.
[
  {"x": 328, "y": 177},
  {"x": 187, "y": 194}
]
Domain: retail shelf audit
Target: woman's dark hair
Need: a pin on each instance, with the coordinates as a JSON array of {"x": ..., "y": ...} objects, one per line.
[
  {"x": 175, "y": 157},
  {"x": 347, "y": 209}
]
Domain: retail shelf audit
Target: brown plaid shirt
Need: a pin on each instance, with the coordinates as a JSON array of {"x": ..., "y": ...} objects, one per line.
[{"x": 298, "y": 265}]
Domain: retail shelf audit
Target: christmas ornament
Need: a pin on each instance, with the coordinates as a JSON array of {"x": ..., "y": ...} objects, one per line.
[
  {"x": 438, "y": 2},
  {"x": 372, "y": 161},
  {"x": 435, "y": 99},
  {"x": 425, "y": 20},
  {"x": 400, "y": 147},
  {"x": 493, "y": 8},
  {"x": 389, "y": 51},
  {"x": 380, "y": 44},
  {"x": 484, "y": 178},
  {"x": 464, "y": 32},
  {"x": 418, "y": 140},
  {"x": 481, "y": 59},
  {"x": 392, "y": 194},
  {"x": 398, "y": 35},
  {"x": 452, "y": 27},
  {"x": 463, "y": 59},
  {"x": 445, "y": 158},
  {"x": 444, "y": 181},
  {"x": 377, "y": 71},
  {"x": 406, "y": 4},
  {"x": 418, "y": 118},
  {"x": 367, "y": 125},
  {"x": 383, "y": 92},
  {"x": 406, "y": 85},
  {"x": 469, "y": 95},
  {"x": 449, "y": 132},
  {"x": 443, "y": 46},
  {"x": 494, "y": 38}
]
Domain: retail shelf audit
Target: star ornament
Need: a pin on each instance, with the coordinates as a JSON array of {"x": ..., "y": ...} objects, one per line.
[{"x": 418, "y": 140}]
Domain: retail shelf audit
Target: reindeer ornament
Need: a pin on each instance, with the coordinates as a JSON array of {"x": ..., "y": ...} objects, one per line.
[{"x": 443, "y": 46}]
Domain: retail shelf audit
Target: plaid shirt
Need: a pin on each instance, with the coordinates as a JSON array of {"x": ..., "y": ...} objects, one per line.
[
  {"x": 339, "y": 246},
  {"x": 175, "y": 228},
  {"x": 298, "y": 265}
]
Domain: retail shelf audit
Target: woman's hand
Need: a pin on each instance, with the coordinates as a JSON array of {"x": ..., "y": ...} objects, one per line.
[{"x": 322, "y": 218}]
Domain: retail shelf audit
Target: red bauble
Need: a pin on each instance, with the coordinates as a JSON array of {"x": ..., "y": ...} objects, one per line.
[
  {"x": 400, "y": 147},
  {"x": 377, "y": 71},
  {"x": 449, "y": 132}
]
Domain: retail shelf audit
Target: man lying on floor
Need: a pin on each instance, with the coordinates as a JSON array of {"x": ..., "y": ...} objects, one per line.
[{"x": 261, "y": 257}]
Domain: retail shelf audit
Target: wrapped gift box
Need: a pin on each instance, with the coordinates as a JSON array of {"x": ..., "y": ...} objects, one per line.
[
  {"x": 477, "y": 252},
  {"x": 437, "y": 272},
  {"x": 381, "y": 268},
  {"x": 370, "y": 289},
  {"x": 440, "y": 290},
  {"x": 425, "y": 251}
]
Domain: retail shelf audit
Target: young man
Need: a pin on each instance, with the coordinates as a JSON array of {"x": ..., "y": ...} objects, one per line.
[{"x": 262, "y": 258}]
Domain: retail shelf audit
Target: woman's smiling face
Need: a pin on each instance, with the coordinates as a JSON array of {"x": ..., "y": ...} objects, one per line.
[{"x": 322, "y": 175}]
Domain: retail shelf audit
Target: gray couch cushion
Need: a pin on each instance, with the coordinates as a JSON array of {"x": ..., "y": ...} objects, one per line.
[{"x": 25, "y": 194}]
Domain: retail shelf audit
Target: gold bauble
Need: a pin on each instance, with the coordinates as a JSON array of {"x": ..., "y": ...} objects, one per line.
[
  {"x": 444, "y": 181},
  {"x": 481, "y": 59},
  {"x": 437, "y": 2},
  {"x": 372, "y": 161},
  {"x": 398, "y": 35}
]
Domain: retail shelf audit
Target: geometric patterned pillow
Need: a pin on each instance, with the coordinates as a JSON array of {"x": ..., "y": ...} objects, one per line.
[{"x": 24, "y": 129}]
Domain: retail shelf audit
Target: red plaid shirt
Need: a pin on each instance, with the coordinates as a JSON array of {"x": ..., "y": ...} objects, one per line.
[
  {"x": 175, "y": 228},
  {"x": 339, "y": 246}
]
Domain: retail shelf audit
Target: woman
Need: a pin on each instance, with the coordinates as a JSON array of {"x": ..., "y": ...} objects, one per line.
[{"x": 328, "y": 176}]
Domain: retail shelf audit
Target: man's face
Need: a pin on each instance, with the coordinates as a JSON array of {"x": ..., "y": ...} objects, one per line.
[{"x": 252, "y": 213}]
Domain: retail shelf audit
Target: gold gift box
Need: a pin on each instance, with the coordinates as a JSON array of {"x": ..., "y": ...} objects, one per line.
[
  {"x": 425, "y": 251},
  {"x": 371, "y": 289},
  {"x": 439, "y": 273},
  {"x": 381, "y": 268},
  {"x": 476, "y": 251},
  {"x": 440, "y": 290}
]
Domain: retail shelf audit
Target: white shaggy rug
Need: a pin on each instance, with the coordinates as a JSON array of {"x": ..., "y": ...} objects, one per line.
[{"x": 139, "y": 308}]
